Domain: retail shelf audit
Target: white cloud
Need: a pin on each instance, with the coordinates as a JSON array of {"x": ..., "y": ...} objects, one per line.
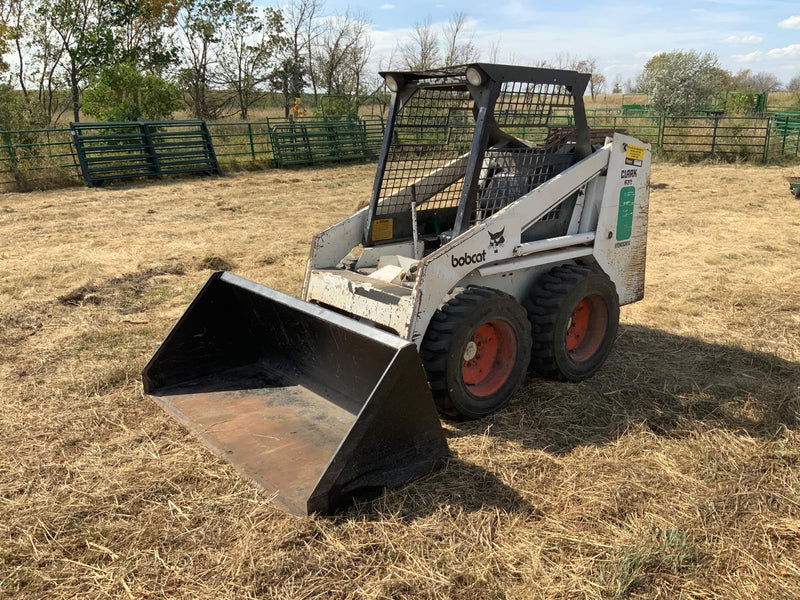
[
  {"x": 787, "y": 51},
  {"x": 743, "y": 58},
  {"x": 743, "y": 39},
  {"x": 792, "y": 22},
  {"x": 388, "y": 7}
]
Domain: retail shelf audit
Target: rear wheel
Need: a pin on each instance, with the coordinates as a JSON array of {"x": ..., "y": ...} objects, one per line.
[
  {"x": 574, "y": 314},
  {"x": 476, "y": 352}
]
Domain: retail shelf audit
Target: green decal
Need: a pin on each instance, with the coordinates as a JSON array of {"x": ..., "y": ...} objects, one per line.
[{"x": 627, "y": 199}]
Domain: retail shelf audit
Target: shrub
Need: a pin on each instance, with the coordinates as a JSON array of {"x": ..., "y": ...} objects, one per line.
[{"x": 122, "y": 93}]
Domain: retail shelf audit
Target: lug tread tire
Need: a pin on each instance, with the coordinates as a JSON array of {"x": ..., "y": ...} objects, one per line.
[
  {"x": 448, "y": 326},
  {"x": 550, "y": 306}
]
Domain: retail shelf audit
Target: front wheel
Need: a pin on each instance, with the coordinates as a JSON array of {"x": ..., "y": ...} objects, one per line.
[
  {"x": 476, "y": 352},
  {"x": 574, "y": 314}
]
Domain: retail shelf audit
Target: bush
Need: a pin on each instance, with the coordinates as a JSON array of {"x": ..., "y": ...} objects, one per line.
[
  {"x": 679, "y": 83},
  {"x": 122, "y": 93},
  {"x": 18, "y": 112}
]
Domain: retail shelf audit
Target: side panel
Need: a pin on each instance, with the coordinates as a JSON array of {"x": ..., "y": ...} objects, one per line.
[
  {"x": 331, "y": 245},
  {"x": 363, "y": 297},
  {"x": 620, "y": 247},
  {"x": 492, "y": 242}
]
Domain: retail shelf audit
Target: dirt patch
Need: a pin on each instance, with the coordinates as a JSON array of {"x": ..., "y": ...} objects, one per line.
[
  {"x": 130, "y": 285},
  {"x": 216, "y": 263},
  {"x": 674, "y": 472}
]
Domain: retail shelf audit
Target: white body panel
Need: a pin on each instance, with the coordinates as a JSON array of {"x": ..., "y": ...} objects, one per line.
[
  {"x": 621, "y": 243},
  {"x": 608, "y": 225}
]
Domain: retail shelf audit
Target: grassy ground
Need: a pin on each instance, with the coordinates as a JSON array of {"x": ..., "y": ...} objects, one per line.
[{"x": 673, "y": 473}]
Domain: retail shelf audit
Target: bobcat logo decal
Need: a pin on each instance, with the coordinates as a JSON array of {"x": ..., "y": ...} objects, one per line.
[{"x": 496, "y": 240}]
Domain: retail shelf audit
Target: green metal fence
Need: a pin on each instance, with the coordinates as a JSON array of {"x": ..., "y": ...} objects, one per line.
[
  {"x": 46, "y": 157},
  {"x": 786, "y": 133},
  {"x": 36, "y": 155},
  {"x": 109, "y": 151},
  {"x": 254, "y": 141},
  {"x": 38, "y": 158},
  {"x": 717, "y": 136}
]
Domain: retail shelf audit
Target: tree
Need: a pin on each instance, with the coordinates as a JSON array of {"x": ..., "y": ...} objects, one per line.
[
  {"x": 122, "y": 93},
  {"x": 459, "y": 49},
  {"x": 143, "y": 33},
  {"x": 494, "y": 50},
  {"x": 341, "y": 55},
  {"x": 6, "y": 32},
  {"x": 745, "y": 80},
  {"x": 200, "y": 23},
  {"x": 247, "y": 47},
  {"x": 421, "y": 52},
  {"x": 16, "y": 20},
  {"x": 679, "y": 83},
  {"x": 794, "y": 84},
  {"x": 43, "y": 48},
  {"x": 83, "y": 30},
  {"x": 295, "y": 51},
  {"x": 17, "y": 111},
  {"x": 565, "y": 60}
]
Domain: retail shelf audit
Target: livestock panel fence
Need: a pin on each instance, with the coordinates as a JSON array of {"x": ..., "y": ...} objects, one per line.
[
  {"x": 38, "y": 158},
  {"x": 108, "y": 151}
]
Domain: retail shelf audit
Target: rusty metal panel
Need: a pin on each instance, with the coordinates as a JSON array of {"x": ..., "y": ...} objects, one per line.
[
  {"x": 282, "y": 438},
  {"x": 385, "y": 303}
]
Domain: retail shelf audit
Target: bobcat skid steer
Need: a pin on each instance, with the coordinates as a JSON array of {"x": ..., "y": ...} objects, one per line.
[{"x": 499, "y": 236}]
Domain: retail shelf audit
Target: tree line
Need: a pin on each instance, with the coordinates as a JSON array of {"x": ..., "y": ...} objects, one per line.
[
  {"x": 120, "y": 60},
  {"x": 129, "y": 59},
  {"x": 683, "y": 82}
]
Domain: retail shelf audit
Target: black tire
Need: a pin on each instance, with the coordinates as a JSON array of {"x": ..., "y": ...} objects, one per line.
[
  {"x": 574, "y": 314},
  {"x": 464, "y": 382}
]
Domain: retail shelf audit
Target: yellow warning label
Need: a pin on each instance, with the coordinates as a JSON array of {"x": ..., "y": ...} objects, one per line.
[
  {"x": 634, "y": 155},
  {"x": 382, "y": 230}
]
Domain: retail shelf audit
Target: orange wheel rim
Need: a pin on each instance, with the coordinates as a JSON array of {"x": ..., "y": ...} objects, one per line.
[
  {"x": 587, "y": 328},
  {"x": 489, "y": 357}
]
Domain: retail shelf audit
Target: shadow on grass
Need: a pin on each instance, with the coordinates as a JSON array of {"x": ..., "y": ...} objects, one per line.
[
  {"x": 459, "y": 486},
  {"x": 667, "y": 382},
  {"x": 671, "y": 384}
]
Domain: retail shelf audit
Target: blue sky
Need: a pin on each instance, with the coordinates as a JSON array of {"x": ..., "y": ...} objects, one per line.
[{"x": 622, "y": 35}]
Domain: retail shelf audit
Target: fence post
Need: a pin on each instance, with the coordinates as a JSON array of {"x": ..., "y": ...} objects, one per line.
[
  {"x": 714, "y": 136},
  {"x": 147, "y": 138},
  {"x": 10, "y": 147},
  {"x": 765, "y": 160},
  {"x": 252, "y": 145},
  {"x": 270, "y": 142}
]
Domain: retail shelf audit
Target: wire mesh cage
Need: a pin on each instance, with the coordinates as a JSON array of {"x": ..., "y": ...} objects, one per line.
[
  {"x": 427, "y": 160},
  {"x": 463, "y": 152}
]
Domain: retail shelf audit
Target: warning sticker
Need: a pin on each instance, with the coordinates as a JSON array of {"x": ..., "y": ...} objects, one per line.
[
  {"x": 382, "y": 229},
  {"x": 634, "y": 155}
]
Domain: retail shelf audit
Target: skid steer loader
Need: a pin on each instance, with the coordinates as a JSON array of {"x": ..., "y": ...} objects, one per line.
[{"x": 499, "y": 236}]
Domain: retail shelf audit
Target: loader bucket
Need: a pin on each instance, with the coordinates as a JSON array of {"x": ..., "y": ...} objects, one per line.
[{"x": 313, "y": 406}]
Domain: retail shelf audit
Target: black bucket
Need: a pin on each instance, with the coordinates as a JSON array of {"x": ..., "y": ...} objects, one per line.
[{"x": 313, "y": 406}]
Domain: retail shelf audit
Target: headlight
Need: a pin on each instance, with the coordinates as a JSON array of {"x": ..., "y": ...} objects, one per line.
[
  {"x": 475, "y": 76},
  {"x": 393, "y": 82}
]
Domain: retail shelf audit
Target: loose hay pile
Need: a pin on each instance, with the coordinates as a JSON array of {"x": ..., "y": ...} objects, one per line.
[{"x": 675, "y": 472}]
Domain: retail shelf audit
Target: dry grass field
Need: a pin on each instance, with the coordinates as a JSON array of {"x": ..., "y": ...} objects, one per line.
[{"x": 673, "y": 473}]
